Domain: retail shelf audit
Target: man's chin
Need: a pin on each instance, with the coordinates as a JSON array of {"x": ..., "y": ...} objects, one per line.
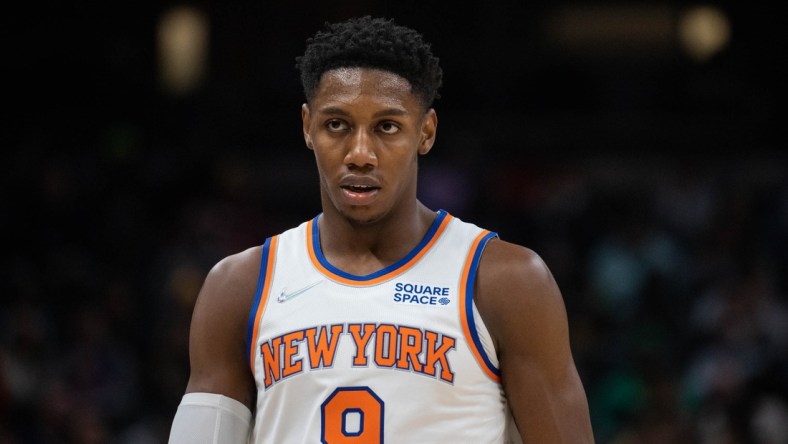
[{"x": 361, "y": 216}]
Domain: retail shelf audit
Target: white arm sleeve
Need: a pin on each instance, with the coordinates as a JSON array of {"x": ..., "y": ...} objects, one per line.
[{"x": 208, "y": 418}]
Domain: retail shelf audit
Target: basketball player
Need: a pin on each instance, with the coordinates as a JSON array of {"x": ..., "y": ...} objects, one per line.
[{"x": 380, "y": 320}]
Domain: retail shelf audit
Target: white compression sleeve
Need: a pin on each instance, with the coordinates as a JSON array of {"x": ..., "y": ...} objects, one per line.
[{"x": 208, "y": 418}]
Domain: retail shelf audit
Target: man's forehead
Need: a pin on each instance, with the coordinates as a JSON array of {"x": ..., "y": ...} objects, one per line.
[
  {"x": 350, "y": 78},
  {"x": 354, "y": 74},
  {"x": 342, "y": 86}
]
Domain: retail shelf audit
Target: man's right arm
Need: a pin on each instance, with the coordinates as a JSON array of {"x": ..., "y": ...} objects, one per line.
[{"x": 220, "y": 394}]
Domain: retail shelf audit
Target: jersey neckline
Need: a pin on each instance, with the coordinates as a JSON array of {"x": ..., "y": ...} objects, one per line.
[{"x": 321, "y": 263}]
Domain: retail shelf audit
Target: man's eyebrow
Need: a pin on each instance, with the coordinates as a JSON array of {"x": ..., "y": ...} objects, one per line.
[
  {"x": 384, "y": 112},
  {"x": 333, "y": 110},
  {"x": 390, "y": 112}
]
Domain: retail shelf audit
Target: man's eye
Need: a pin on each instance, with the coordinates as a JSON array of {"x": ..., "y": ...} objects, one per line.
[
  {"x": 388, "y": 127},
  {"x": 336, "y": 125}
]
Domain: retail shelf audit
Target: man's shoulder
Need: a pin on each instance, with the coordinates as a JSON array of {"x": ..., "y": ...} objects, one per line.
[
  {"x": 233, "y": 279},
  {"x": 505, "y": 262},
  {"x": 513, "y": 275},
  {"x": 504, "y": 259},
  {"x": 237, "y": 266},
  {"x": 244, "y": 266},
  {"x": 516, "y": 291}
]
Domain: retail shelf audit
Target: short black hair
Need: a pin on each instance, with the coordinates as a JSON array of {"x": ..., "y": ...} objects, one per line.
[{"x": 375, "y": 43}]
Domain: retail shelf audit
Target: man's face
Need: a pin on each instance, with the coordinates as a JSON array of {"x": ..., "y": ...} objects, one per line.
[{"x": 367, "y": 129}]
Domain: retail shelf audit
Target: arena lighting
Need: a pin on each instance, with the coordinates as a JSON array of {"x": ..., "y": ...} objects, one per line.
[
  {"x": 591, "y": 31},
  {"x": 703, "y": 32},
  {"x": 650, "y": 30},
  {"x": 182, "y": 46}
]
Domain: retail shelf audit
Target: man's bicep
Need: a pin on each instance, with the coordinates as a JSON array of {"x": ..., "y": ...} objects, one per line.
[
  {"x": 540, "y": 378},
  {"x": 548, "y": 405},
  {"x": 217, "y": 352},
  {"x": 527, "y": 316}
]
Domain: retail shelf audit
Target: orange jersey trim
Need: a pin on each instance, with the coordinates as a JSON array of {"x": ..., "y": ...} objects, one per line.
[
  {"x": 467, "y": 282},
  {"x": 263, "y": 288}
]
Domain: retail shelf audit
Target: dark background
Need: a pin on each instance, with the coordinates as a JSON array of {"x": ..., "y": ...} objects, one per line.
[{"x": 655, "y": 187}]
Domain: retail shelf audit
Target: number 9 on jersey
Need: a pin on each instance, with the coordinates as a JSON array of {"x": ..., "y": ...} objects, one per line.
[{"x": 352, "y": 415}]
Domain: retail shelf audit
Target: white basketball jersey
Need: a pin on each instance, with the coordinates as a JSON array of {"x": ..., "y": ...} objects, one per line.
[{"x": 396, "y": 356}]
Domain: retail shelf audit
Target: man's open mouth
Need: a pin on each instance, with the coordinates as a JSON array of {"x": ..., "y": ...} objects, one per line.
[{"x": 359, "y": 188}]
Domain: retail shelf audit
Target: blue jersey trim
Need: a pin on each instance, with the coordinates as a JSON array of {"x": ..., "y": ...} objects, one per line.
[
  {"x": 258, "y": 293},
  {"x": 469, "y": 286}
]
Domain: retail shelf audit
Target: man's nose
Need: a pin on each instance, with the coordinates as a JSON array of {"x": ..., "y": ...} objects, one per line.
[{"x": 361, "y": 151}]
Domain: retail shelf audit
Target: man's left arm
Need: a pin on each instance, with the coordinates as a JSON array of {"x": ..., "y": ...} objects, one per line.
[{"x": 524, "y": 311}]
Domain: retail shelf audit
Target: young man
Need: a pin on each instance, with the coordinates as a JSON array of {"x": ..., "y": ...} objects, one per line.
[{"x": 379, "y": 320}]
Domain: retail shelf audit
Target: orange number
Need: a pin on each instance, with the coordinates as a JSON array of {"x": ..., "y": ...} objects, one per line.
[{"x": 352, "y": 415}]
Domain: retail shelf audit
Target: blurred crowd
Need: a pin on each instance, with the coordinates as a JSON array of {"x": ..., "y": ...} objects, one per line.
[
  {"x": 673, "y": 268},
  {"x": 674, "y": 274}
]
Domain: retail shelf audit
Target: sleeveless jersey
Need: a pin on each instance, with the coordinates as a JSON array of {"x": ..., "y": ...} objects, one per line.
[{"x": 399, "y": 355}]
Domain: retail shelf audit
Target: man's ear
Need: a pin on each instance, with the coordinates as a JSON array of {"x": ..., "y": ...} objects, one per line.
[
  {"x": 429, "y": 129},
  {"x": 305, "y": 125}
]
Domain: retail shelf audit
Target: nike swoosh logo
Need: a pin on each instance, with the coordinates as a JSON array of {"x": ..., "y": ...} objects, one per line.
[{"x": 284, "y": 296}]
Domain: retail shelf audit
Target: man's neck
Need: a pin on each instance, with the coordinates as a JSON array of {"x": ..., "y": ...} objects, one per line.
[{"x": 364, "y": 248}]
